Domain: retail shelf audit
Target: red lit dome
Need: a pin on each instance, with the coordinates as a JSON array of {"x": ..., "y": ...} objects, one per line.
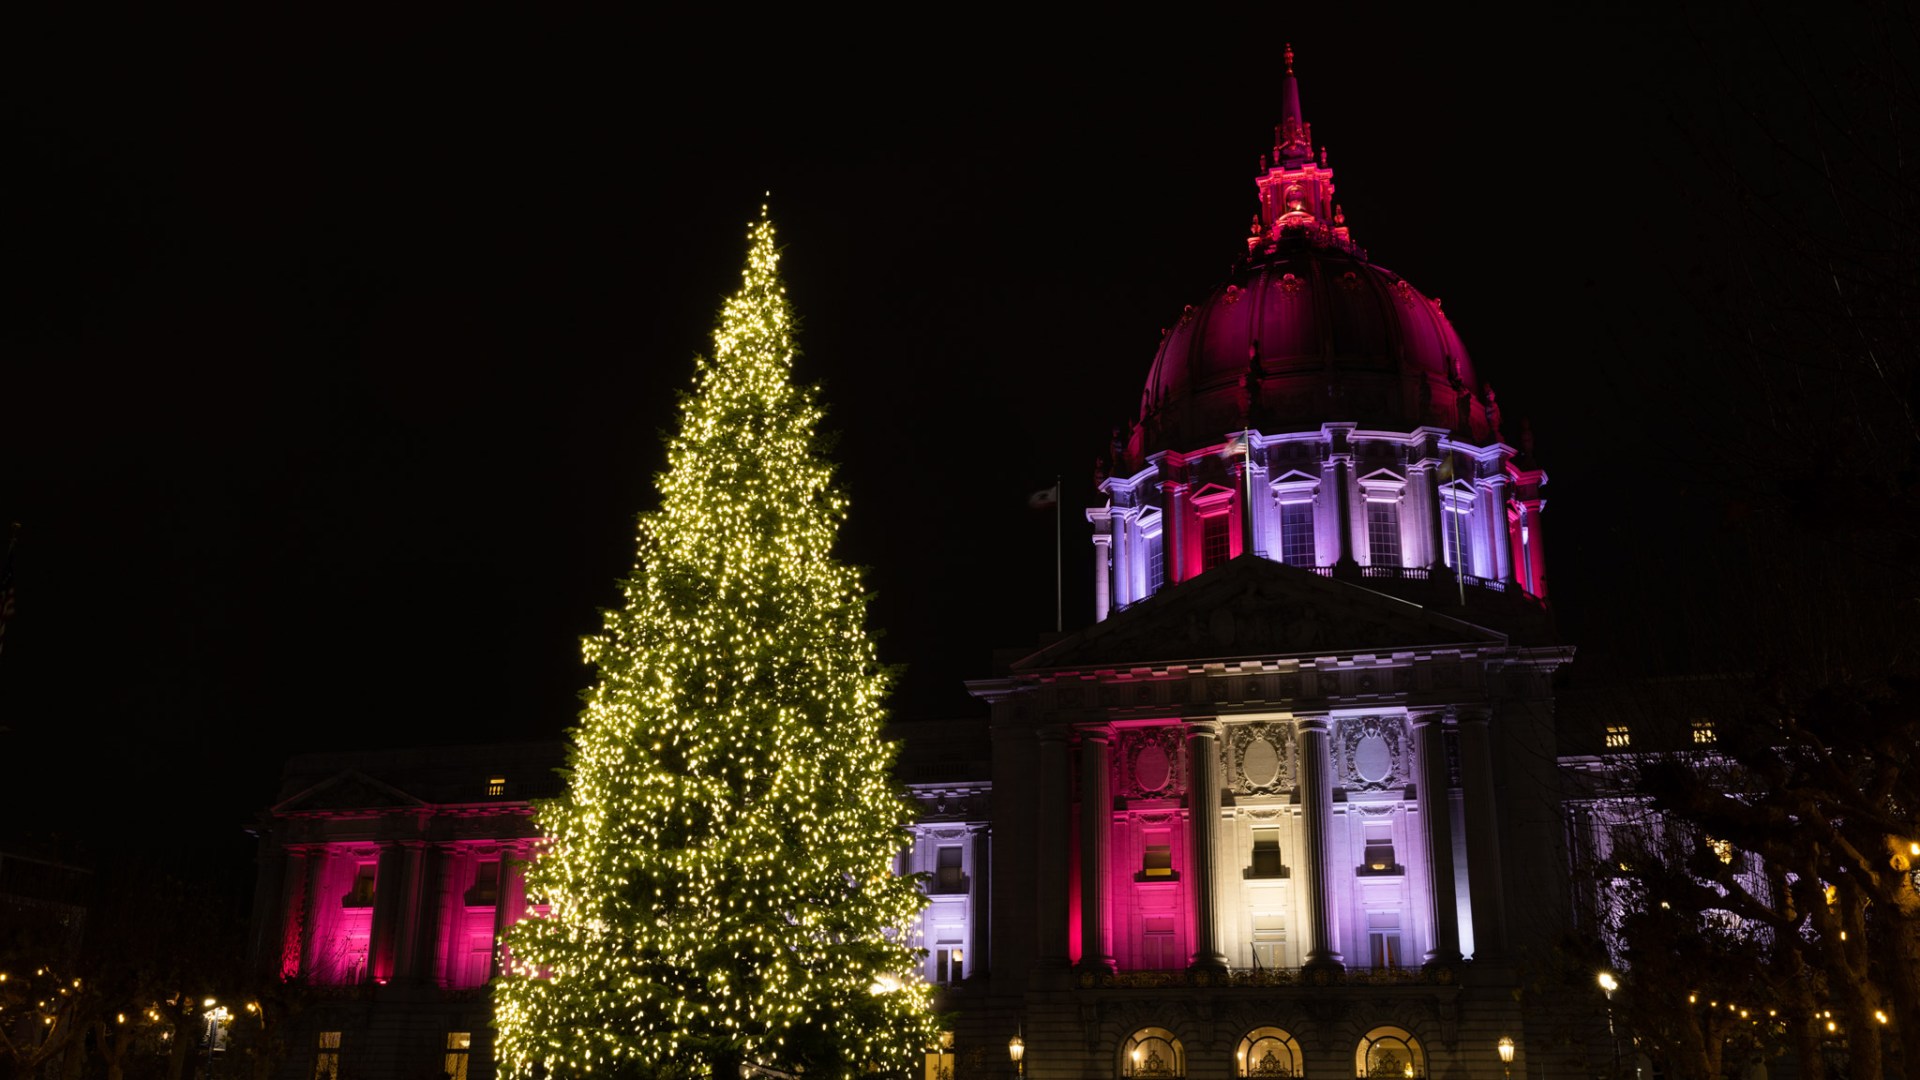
[{"x": 1302, "y": 334}]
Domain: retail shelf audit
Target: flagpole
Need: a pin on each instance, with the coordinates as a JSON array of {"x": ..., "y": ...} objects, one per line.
[{"x": 1059, "y": 622}]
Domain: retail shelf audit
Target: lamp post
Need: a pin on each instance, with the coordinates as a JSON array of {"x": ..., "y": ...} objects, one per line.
[
  {"x": 1609, "y": 984},
  {"x": 1017, "y": 1050},
  {"x": 1506, "y": 1055},
  {"x": 215, "y": 1016}
]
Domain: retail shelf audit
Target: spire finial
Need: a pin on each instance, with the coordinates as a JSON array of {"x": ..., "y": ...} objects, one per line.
[{"x": 1289, "y": 57}]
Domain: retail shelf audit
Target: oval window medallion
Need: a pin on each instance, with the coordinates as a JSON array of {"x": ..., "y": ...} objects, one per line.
[
  {"x": 1261, "y": 763},
  {"x": 1151, "y": 769},
  {"x": 1372, "y": 761}
]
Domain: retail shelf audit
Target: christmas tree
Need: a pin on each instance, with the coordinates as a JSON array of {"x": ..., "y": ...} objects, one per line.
[{"x": 719, "y": 877}]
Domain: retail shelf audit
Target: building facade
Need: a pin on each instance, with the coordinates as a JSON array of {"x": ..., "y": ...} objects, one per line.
[{"x": 1288, "y": 807}]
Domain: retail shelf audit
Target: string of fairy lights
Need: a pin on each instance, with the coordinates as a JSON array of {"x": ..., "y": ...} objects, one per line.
[{"x": 719, "y": 876}]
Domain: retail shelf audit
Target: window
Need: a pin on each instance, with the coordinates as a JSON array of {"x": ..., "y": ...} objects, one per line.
[
  {"x": 1156, "y": 946},
  {"x": 1296, "y": 533},
  {"x": 486, "y": 885},
  {"x": 496, "y": 785},
  {"x": 360, "y": 893},
  {"x": 1268, "y": 1051},
  {"x": 1383, "y": 534},
  {"x": 1153, "y": 1052},
  {"x": 1266, "y": 854},
  {"x": 1378, "y": 858},
  {"x": 326, "y": 1060},
  {"x": 459, "y": 1043},
  {"x": 1156, "y": 564},
  {"x": 940, "y": 1060},
  {"x": 1619, "y": 737},
  {"x": 1390, "y": 1051},
  {"x": 950, "y": 964},
  {"x": 1703, "y": 733},
  {"x": 947, "y": 877},
  {"x": 1454, "y": 543},
  {"x": 1383, "y": 939},
  {"x": 1214, "y": 544},
  {"x": 1269, "y": 941},
  {"x": 1156, "y": 855}
]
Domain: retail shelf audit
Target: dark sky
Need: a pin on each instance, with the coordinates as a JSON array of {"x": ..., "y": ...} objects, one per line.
[{"x": 338, "y": 350}]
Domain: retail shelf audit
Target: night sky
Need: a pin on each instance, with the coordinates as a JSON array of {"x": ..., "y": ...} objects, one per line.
[{"x": 338, "y": 351}]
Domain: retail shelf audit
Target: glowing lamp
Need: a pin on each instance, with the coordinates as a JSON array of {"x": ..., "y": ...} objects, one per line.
[
  {"x": 1506, "y": 1050},
  {"x": 1608, "y": 982}
]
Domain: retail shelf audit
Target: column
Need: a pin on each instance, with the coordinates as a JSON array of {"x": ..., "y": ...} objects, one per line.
[
  {"x": 1536, "y": 555},
  {"x": 508, "y": 899},
  {"x": 1123, "y": 557},
  {"x": 426, "y": 936},
  {"x": 1096, "y": 832},
  {"x": 1436, "y": 520},
  {"x": 1316, "y": 799},
  {"x": 1501, "y": 533},
  {"x": 1429, "y": 748},
  {"x": 1203, "y": 830},
  {"x": 447, "y": 917},
  {"x": 980, "y": 908},
  {"x": 1102, "y": 574},
  {"x": 412, "y": 913},
  {"x": 1484, "y": 886},
  {"x": 318, "y": 860},
  {"x": 1050, "y": 847},
  {"x": 1173, "y": 531},
  {"x": 389, "y": 890},
  {"x": 286, "y": 952}
]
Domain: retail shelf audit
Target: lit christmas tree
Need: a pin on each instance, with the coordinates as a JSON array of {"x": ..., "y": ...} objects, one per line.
[{"x": 719, "y": 874}]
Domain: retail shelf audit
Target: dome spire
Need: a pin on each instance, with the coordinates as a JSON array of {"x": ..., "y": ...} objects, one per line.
[{"x": 1293, "y": 138}]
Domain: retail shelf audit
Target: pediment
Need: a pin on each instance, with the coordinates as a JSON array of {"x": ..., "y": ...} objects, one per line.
[
  {"x": 349, "y": 790},
  {"x": 1295, "y": 476},
  {"x": 1255, "y": 607}
]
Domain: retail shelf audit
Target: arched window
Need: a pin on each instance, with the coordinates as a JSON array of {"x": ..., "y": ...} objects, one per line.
[
  {"x": 1389, "y": 1051},
  {"x": 1267, "y": 1051},
  {"x": 1155, "y": 1053}
]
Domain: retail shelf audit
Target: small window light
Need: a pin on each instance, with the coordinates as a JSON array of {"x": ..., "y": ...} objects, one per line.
[
  {"x": 496, "y": 785},
  {"x": 1703, "y": 733},
  {"x": 1619, "y": 737}
]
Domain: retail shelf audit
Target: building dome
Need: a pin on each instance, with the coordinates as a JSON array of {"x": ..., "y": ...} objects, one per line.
[{"x": 1304, "y": 331}]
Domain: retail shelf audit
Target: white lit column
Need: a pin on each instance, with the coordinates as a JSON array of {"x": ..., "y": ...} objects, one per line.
[
  {"x": 1429, "y": 747},
  {"x": 1316, "y": 798},
  {"x": 1102, "y": 573},
  {"x": 1096, "y": 828},
  {"x": 1203, "y": 827},
  {"x": 1502, "y": 533},
  {"x": 1484, "y": 886}
]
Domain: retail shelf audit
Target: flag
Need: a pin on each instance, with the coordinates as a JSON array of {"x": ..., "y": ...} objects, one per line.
[{"x": 1044, "y": 498}]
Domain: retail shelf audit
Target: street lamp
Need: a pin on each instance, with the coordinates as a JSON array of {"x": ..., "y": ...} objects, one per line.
[
  {"x": 1506, "y": 1055},
  {"x": 215, "y": 1017},
  {"x": 1017, "y": 1050},
  {"x": 1609, "y": 984}
]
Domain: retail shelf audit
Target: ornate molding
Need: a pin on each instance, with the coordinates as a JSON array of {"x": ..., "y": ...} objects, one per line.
[
  {"x": 1149, "y": 763},
  {"x": 1274, "y": 765},
  {"x": 1373, "y": 752}
]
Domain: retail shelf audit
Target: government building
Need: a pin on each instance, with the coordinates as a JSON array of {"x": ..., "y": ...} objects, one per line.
[{"x": 1290, "y": 806}]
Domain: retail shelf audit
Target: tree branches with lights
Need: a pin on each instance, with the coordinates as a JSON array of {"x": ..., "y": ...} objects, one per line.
[{"x": 718, "y": 880}]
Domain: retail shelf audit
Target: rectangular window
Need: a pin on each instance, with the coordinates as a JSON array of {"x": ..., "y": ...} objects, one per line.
[
  {"x": 496, "y": 785},
  {"x": 1454, "y": 545},
  {"x": 1618, "y": 737},
  {"x": 459, "y": 1044},
  {"x": 1269, "y": 941},
  {"x": 326, "y": 1060},
  {"x": 1383, "y": 534},
  {"x": 1383, "y": 938},
  {"x": 947, "y": 877},
  {"x": 1156, "y": 854},
  {"x": 1296, "y": 533},
  {"x": 486, "y": 884},
  {"x": 1266, "y": 854},
  {"x": 950, "y": 964},
  {"x": 360, "y": 893},
  {"x": 1703, "y": 733},
  {"x": 1156, "y": 564},
  {"x": 1214, "y": 545},
  {"x": 1379, "y": 854},
  {"x": 1157, "y": 943}
]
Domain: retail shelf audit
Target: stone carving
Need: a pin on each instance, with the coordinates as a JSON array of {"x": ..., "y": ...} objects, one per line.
[
  {"x": 1259, "y": 758},
  {"x": 1149, "y": 763},
  {"x": 1403, "y": 291},
  {"x": 1290, "y": 284},
  {"x": 1373, "y": 752}
]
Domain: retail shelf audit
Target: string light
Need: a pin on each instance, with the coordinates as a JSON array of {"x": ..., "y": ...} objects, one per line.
[{"x": 719, "y": 876}]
